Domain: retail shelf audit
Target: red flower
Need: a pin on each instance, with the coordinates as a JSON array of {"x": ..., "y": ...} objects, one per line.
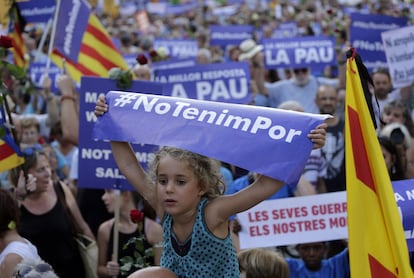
[
  {"x": 329, "y": 11},
  {"x": 153, "y": 53},
  {"x": 6, "y": 42},
  {"x": 141, "y": 59},
  {"x": 136, "y": 216}
]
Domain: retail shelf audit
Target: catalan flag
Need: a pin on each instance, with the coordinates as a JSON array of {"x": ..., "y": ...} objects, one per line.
[
  {"x": 16, "y": 28},
  {"x": 10, "y": 154},
  {"x": 377, "y": 245},
  {"x": 83, "y": 42}
]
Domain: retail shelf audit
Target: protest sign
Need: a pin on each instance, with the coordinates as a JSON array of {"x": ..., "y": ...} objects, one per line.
[
  {"x": 365, "y": 36},
  {"x": 265, "y": 140},
  {"x": 320, "y": 217},
  {"x": 300, "y": 52},
  {"x": 399, "y": 51},
  {"x": 177, "y": 48},
  {"x": 97, "y": 167},
  {"x": 227, "y": 83}
]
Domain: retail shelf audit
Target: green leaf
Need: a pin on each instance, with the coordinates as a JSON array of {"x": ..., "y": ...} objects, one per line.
[{"x": 16, "y": 71}]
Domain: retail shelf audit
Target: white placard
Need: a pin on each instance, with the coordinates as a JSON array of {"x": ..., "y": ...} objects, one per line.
[
  {"x": 319, "y": 217},
  {"x": 399, "y": 51}
]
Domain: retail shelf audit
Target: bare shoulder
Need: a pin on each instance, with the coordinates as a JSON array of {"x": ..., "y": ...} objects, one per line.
[
  {"x": 153, "y": 231},
  {"x": 104, "y": 229}
]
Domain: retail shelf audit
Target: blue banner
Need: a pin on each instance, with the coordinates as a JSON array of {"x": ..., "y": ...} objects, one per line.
[
  {"x": 227, "y": 83},
  {"x": 224, "y": 35},
  {"x": 365, "y": 36},
  {"x": 37, "y": 70},
  {"x": 404, "y": 196},
  {"x": 265, "y": 140},
  {"x": 173, "y": 63},
  {"x": 300, "y": 52},
  {"x": 286, "y": 30},
  {"x": 35, "y": 11},
  {"x": 73, "y": 19},
  {"x": 97, "y": 167},
  {"x": 178, "y": 48}
]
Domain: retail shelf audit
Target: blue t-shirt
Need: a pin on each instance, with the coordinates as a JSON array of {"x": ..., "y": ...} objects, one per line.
[{"x": 334, "y": 267}]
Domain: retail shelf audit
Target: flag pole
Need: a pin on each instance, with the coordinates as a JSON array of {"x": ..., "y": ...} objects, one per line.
[
  {"x": 116, "y": 224},
  {"x": 43, "y": 39},
  {"x": 52, "y": 37}
]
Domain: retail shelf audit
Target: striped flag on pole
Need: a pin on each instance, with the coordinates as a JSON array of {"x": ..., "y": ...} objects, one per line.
[
  {"x": 83, "y": 42},
  {"x": 16, "y": 28},
  {"x": 10, "y": 154},
  {"x": 377, "y": 245}
]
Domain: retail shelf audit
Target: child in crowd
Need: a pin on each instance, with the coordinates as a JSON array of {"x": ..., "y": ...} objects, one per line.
[
  {"x": 185, "y": 190},
  {"x": 262, "y": 263}
]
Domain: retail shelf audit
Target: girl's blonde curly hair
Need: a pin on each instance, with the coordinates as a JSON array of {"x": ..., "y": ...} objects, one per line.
[{"x": 207, "y": 170}]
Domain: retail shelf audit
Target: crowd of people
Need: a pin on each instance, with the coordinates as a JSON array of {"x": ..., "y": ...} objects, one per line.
[{"x": 189, "y": 215}]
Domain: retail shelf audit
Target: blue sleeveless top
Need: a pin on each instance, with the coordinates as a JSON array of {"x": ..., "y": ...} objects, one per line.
[{"x": 208, "y": 256}]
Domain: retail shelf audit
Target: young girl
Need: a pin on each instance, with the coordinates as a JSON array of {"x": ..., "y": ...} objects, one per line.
[
  {"x": 184, "y": 189},
  {"x": 127, "y": 229}
]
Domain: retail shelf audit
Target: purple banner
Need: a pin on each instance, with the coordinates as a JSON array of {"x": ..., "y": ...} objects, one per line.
[
  {"x": 300, "y": 52},
  {"x": 177, "y": 48},
  {"x": 97, "y": 167},
  {"x": 227, "y": 83},
  {"x": 365, "y": 36},
  {"x": 224, "y": 35},
  {"x": 72, "y": 21},
  {"x": 37, "y": 71},
  {"x": 404, "y": 195},
  {"x": 265, "y": 140},
  {"x": 35, "y": 11}
]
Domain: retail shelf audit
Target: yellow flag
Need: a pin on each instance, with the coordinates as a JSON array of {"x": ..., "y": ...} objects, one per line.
[{"x": 377, "y": 245}]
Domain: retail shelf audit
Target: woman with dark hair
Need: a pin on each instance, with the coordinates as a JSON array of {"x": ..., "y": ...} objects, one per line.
[
  {"x": 393, "y": 159},
  {"x": 149, "y": 229},
  {"x": 13, "y": 247},
  {"x": 50, "y": 217}
]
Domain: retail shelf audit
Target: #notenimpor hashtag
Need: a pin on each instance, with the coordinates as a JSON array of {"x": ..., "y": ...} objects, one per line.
[{"x": 125, "y": 99}]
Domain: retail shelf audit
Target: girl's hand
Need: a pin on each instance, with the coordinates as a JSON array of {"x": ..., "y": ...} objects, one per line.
[
  {"x": 318, "y": 136},
  {"x": 101, "y": 107}
]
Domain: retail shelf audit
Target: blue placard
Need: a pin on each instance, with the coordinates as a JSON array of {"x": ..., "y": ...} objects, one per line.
[
  {"x": 35, "y": 11},
  {"x": 73, "y": 17},
  {"x": 227, "y": 83},
  {"x": 300, "y": 52},
  {"x": 365, "y": 36},
  {"x": 224, "y": 35},
  {"x": 97, "y": 167}
]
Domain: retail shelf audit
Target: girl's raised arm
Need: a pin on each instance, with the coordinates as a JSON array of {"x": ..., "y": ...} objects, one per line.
[
  {"x": 128, "y": 163},
  {"x": 261, "y": 189},
  {"x": 130, "y": 167}
]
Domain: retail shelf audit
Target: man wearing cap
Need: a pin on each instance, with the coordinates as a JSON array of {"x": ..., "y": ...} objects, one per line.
[{"x": 252, "y": 52}]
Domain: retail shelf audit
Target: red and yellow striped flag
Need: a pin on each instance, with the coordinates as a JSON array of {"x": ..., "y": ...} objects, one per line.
[
  {"x": 89, "y": 48},
  {"x": 377, "y": 244},
  {"x": 9, "y": 157},
  {"x": 17, "y": 24}
]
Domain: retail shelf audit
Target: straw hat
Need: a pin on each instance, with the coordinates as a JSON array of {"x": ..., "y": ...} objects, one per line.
[{"x": 248, "y": 49}]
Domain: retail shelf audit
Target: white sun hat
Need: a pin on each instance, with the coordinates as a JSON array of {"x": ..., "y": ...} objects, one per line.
[{"x": 248, "y": 49}]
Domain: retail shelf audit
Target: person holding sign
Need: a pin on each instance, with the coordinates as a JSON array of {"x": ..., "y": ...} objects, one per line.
[
  {"x": 312, "y": 262},
  {"x": 185, "y": 190}
]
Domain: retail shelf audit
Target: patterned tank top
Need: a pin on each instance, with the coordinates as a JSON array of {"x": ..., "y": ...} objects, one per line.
[{"x": 208, "y": 256}]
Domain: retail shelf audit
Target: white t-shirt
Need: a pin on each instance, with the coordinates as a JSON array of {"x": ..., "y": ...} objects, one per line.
[{"x": 26, "y": 250}]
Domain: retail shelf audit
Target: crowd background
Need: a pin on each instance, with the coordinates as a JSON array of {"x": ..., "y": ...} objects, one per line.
[{"x": 47, "y": 120}]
